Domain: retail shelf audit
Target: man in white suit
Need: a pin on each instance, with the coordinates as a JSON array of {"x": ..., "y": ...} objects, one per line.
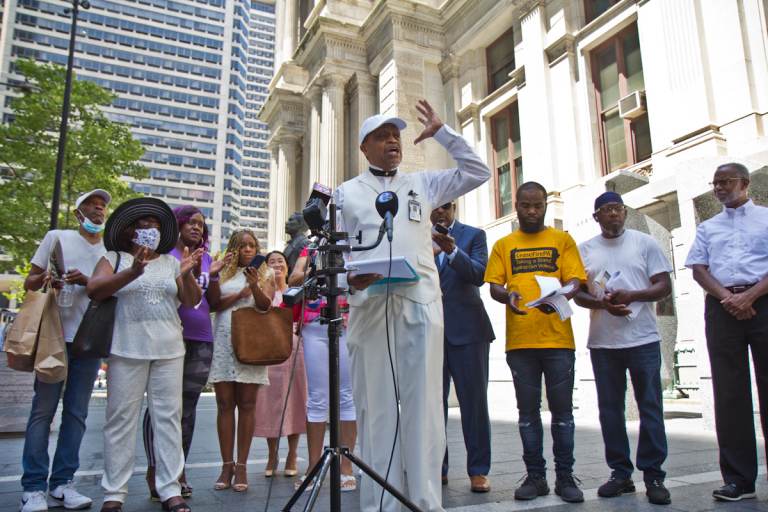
[{"x": 414, "y": 337}]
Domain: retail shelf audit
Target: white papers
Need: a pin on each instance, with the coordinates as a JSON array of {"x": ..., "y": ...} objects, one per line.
[
  {"x": 605, "y": 282},
  {"x": 553, "y": 294},
  {"x": 401, "y": 272}
]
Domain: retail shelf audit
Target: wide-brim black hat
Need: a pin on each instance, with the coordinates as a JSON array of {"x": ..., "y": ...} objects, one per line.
[{"x": 134, "y": 209}]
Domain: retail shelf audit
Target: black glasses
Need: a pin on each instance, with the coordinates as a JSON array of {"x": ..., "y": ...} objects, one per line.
[
  {"x": 446, "y": 206},
  {"x": 723, "y": 182},
  {"x": 611, "y": 208}
]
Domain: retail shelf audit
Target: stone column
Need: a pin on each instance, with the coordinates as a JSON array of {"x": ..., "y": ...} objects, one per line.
[
  {"x": 274, "y": 187},
  {"x": 290, "y": 28},
  {"x": 332, "y": 134},
  {"x": 315, "y": 129},
  {"x": 366, "y": 107},
  {"x": 288, "y": 173}
]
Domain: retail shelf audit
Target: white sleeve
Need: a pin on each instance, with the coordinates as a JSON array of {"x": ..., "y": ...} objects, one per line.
[
  {"x": 446, "y": 185},
  {"x": 43, "y": 252},
  {"x": 656, "y": 261},
  {"x": 699, "y": 253}
]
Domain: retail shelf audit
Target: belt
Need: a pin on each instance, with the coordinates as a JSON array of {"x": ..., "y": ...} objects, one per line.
[{"x": 739, "y": 288}]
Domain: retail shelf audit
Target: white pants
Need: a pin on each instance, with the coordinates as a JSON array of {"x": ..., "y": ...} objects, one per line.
[
  {"x": 315, "y": 337},
  {"x": 416, "y": 336},
  {"x": 127, "y": 379}
]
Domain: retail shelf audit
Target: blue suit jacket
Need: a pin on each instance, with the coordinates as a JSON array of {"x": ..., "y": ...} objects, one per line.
[{"x": 465, "y": 318}]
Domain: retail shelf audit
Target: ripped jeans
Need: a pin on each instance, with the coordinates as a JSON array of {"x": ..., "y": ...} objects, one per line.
[{"x": 557, "y": 366}]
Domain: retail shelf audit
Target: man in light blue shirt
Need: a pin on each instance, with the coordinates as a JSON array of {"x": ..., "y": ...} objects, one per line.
[{"x": 729, "y": 259}]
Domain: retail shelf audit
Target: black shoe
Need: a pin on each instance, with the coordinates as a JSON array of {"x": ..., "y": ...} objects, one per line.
[
  {"x": 566, "y": 488},
  {"x": 733, "y": 492},
  {"x": 533, "y": 487},
  {"x": 657, "y": 493},
  {"x": 615, "y": 487}
]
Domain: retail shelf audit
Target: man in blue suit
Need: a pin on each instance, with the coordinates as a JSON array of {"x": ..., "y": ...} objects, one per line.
[{"x": 461, "y": 256}]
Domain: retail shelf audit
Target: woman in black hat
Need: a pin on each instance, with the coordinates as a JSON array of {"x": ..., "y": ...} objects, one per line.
[{"x": 147, "y": 346}]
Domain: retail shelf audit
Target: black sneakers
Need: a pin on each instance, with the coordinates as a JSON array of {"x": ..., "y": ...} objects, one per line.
[
  {"x": 566, "y": 488},
  {"x": 656, "y": 492},
  {"x": 533, "y": 487},
  {"x": 615, "y": 487},
  {"x": 733, "y": 492}
]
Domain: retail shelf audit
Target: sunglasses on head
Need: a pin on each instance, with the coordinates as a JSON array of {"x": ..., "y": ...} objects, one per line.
[{"x": 446, "y": 206}]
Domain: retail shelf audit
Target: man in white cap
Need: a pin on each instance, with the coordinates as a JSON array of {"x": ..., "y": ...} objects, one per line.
[
  {"x": 81, "y": 249},
  {"x": 404, "y": 326}
]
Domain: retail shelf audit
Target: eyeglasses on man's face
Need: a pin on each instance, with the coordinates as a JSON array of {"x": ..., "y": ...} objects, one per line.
[
  {"x": 611, "y": 208},
  {"x": 724, "y": 182}
]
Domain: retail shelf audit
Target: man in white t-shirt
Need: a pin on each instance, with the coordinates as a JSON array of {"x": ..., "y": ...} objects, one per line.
[
  {"x": 80, "y": 251},
  {"x": 626, "y": 273}
]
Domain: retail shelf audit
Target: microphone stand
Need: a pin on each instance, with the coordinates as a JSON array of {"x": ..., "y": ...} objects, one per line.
[{"x": 331, "y": 458}]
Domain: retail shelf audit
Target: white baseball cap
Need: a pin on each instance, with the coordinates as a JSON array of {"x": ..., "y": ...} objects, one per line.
[
  {"x": 95, "y": 192},
  {"x": 373, "y": 123}
]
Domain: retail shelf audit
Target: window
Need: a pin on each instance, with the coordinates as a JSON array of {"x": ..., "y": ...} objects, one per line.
[
  {"x": 500, "y": 57},
  {"x": 507, "y": 158},
  {"x": 594, "y": 8},
  {"x": 617, "y": 71}
]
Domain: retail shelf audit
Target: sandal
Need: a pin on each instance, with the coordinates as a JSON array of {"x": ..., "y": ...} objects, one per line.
[
  {"x": 179, "y": 506},
  {"x": 348, "y": 483},
  {"x": 225, "y": 478},
  {"x": 240, "y": 483},
  {"x": 186, "y": 490},
  {"x": 115, "y": 507},
  {"x": 290, "y": 466},
  {"x": 300, "y": 481}
]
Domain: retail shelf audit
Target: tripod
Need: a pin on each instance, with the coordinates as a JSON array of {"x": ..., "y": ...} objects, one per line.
[{"x": 331, "y": 457}]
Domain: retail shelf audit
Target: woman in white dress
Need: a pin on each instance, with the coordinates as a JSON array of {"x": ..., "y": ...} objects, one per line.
[{"x": 235, "y": 383}]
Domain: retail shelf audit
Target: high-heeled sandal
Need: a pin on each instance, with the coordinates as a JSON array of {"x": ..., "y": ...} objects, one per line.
[
  {"x": 240, "y": 482},
  {"x": 290, "y": 471},
  {"x": 225, "y": 478}
]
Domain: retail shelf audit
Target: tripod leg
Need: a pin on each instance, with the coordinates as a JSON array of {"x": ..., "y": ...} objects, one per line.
[
  {"x": 309, "y": 478},
  {"x": 328, "y": 457},
  {"x": 379, "y": 480}
]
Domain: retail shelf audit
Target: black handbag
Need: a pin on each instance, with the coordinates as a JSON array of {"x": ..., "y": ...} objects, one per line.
[{"x": 94, "y": 335}]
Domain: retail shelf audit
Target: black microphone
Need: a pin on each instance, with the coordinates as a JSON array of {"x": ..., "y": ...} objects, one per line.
[{"x": 386, "y": 205}]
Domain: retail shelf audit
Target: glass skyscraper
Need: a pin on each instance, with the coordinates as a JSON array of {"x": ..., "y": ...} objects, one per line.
[{"x": 184, "y": 78}]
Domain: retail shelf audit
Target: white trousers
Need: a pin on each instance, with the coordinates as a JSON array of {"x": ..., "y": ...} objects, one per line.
[
  {"x": 416, "y": 340},
  {"x": 315, "y": 337},
  {"x": 127, "y": 379}
]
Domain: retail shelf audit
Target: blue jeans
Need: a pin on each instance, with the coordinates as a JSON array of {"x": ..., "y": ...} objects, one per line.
[
  {"x": 77, "y": 392},
  {"x": 556, "y": 365},
  {"x": 644, "y": 365}
]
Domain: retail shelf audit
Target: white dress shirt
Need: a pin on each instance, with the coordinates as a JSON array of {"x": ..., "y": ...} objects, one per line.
[{"x": 734, "y": 245}]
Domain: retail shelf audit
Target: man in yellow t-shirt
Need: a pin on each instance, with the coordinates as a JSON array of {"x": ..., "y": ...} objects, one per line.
[{"x": 538, "y": 342}]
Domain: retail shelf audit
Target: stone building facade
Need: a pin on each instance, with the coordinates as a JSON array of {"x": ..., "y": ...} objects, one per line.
[{"x": 645, "y": 97}]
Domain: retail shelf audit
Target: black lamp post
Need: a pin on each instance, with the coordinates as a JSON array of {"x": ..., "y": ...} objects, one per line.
[{"x": 76, "y": 5}]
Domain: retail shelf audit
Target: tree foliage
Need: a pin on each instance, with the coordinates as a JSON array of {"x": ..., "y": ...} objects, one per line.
[{"x": 99, "y": 151}]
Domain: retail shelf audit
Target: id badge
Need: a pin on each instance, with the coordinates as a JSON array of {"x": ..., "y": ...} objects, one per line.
[{"x": 414, "y": 211}]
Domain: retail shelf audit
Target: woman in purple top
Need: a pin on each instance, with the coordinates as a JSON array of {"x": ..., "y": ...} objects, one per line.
[{"x": 198, "y": 338}]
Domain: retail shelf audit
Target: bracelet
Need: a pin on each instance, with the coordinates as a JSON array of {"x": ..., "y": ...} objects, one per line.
[{"x": 214, "y": 279}]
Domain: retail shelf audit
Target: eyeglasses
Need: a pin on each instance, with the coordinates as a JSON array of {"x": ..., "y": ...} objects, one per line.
[
  {"x": 611, "y": 208},
  {"x": 446, "y": 206},
  {"x": 723, "y": 182}
]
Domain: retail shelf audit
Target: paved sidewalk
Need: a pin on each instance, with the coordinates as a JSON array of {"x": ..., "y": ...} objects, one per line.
[{"x": 692, "y": 471}]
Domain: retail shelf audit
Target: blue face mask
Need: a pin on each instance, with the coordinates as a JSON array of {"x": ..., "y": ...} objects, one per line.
[{"x": 91, "y": 226}]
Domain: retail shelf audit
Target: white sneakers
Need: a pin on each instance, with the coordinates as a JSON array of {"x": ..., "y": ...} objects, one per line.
[
  {"x": 63, "y": 496},
  {"x": 33, "y": 501}
]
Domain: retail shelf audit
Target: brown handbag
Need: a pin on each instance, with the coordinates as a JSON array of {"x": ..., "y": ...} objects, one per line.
[{"x": 262, "y": 338}]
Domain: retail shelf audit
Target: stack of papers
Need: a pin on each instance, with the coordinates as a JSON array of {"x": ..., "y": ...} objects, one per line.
[{"x": 553, "y": 294}]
